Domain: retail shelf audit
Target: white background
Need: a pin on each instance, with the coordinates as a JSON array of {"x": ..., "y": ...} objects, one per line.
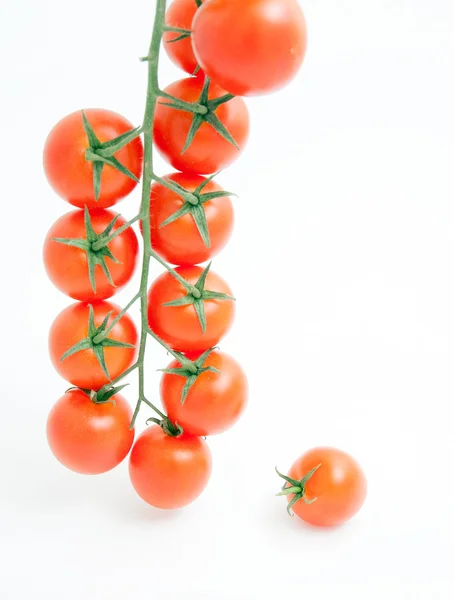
[{"x": 342, "y": 263}]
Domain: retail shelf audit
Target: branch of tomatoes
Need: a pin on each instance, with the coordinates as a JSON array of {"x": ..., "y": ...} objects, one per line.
[{"x": 200, "y": 124}]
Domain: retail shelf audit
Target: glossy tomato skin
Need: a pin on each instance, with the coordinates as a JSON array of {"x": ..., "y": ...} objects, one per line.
[
  {"x": 67, "y": 266},
  {"x": 169, "y": 472},
  {"x": 252, "y": 47},
  {"x": 215, "y": 401},
  {"x": 180, "y": 242},
  {"x": 339, "y": 485},
  {"x": 181, "y": 14},
  {"x": 89, "y": 438},
  {"x": 179, "y": 325},
  {"x": 209, "y": 152},
  {"x": 71, "y": 175},
  {"x": 82, "y": 369}
]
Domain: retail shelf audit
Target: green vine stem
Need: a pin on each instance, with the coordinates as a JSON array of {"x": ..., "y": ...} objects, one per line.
[{"x": 148, "y": 176}]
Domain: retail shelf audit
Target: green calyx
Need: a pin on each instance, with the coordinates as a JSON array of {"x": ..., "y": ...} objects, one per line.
[
  {"x": 102, "y": 153},
  {"x": 204, "y": 111},
  {"x": 171, "y": 429},
  {"x": 193, "y": 205},
  {"x": 182, "y": 34},
  {"x": 95, "y": 245},
  {"x": 198, "y": 295},
  {"x": 103, "y": 396},
  {"x": 97, "y": 340},
  {"x": 190, "y": 375},
  {"x": 297, "y": 488}
]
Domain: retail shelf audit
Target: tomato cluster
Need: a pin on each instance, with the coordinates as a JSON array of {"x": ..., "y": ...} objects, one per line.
[{"x": 93, "y": 159}]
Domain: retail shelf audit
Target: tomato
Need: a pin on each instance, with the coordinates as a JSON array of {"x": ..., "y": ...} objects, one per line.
[
  {"x": 215, "y": 400},
  {"x": 169, "y": 472},
  {"x": 179, "y": 326},
  {"x": 83, "y": 368},
  {"x": 252, "y": 47},
  {"x": 209, "y": 151},
  {"x": 180, "y": 242},
  {"x": 71, "y": 174},
  {"x": 180, "y": 14},
  {"x": 67, "y": 266},
  {"x": 87, "y": 437},
  {"x": 339, "y": 486}
]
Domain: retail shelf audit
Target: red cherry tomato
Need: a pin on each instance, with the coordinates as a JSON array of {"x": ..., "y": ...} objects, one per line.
[
  {"x": 181, "y": 14},
  {"x": 339, "y": 486},
  {"x": 67, "y": 266},
  {"x": 209, "y": 151},
  {"x": 179, "y": 326},
  {"x": 180, "y": 242},
  {"x": 215, "y": 401},
  {"x": 71, "y": 174},
  {"x": 87, "y": 437},
  {"x": 83, "y": 369},
  {"x": 169, "y": 472},
  {"x": 252, "y": 47}
]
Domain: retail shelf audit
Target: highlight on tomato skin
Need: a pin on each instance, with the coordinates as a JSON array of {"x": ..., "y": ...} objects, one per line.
[
  {"x": 180, "y": 242},
  {"x": 67, "y": 266},
  {"x": 90, "y": 438},
  {"x": 332, "y": 487},
  {"x": 169, "y": 472},
  {"x": 70, "y": 174},
  {"x": 215, "y": 401},
  {"x": 208, "y": 152},
  {"x": 250, "y": 48}
]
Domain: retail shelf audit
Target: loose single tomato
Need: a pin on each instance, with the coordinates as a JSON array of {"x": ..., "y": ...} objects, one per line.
[
  {"x": 180, "y": 326},
  {"x": 180, "y": 242},
  {"x": 214, "y": 402},
  {"x": 71, "y": 174},
  {"x": 87, "y": 437},
  {"x": 83, "y": 368},
  {"x": 181, "y": 14},
  {"x": 252, "y": 47},
  {"x": 68, "y": 265},
  {"x": 335, "y": 491},
  {"x": 169, "y": 472},
  {"x": 209, "y": 151}
]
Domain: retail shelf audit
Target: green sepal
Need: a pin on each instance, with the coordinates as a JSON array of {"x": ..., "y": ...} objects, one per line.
[
  {"x": 212, "y": 195},
  {"x": 197, "y": 122},
  {"x": 113, "y": 146},
  {"x": 208, "y": 295},
  {"x": 200, "y": 219},
  {"x": 216, "y": 102},
  {"x": 184, "y": 301},
  {"x": 99, "y": 353},
  {"x": 202, "y": 279},
  {"x": 184, "y": 210},
  {"x": 215, "y": 122},
  {"x": 97, "y": 171},
  {"x": 84, "y": 344},
  {"x": 77, "y": 243},
  {"x": 183, "y": 34},
  {"x": 93, "y": 140},
  {"x": 199, "y": 307}
]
